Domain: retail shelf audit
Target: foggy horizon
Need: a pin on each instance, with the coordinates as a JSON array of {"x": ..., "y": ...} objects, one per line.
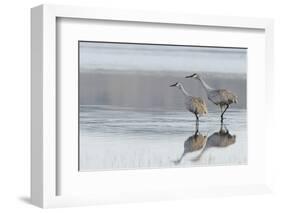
[{"x": 98, "y": 56}]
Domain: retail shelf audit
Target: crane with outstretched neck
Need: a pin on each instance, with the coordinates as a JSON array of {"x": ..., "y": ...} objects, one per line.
[{"x": 220, "y": 97}]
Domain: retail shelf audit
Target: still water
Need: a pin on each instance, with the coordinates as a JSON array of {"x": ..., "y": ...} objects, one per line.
[{"x": 125, "y": 138}]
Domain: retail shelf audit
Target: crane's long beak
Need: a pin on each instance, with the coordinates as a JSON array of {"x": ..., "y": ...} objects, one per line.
[
  {"x": 189, "y": 76},
  {"x": 173, "y": 85}
]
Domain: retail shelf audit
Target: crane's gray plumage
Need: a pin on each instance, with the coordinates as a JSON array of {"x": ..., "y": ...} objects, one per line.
[
  {"x": 196, "y": 105},
  {"x": 220, "y": 97}
]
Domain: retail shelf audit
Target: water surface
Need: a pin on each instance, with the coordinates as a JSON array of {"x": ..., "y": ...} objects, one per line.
[{"x": 126, "y": 138}]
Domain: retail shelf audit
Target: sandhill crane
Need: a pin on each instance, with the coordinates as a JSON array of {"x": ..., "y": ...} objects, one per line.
[
  {"x": 196, "y": 105},
  {"x": 194, "y": 143},
  {"x": 220, "y": 139},
  {"x": 221, "y": 97}
]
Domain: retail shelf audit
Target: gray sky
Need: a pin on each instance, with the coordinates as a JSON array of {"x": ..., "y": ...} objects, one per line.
[{"x": 132, "y": 57}]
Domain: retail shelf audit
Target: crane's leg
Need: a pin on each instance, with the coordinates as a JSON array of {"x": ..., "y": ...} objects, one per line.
[
  {"x": 224, "y": 112},
  {"x": 197, "y": 118},
  {"x": 197, "y": 121},
  {"x": 221, "y": 114},
  {"x": 221, "y": 128}
]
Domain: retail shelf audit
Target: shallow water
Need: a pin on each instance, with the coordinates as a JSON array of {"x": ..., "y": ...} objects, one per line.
[{"x": 125, "y": 138}]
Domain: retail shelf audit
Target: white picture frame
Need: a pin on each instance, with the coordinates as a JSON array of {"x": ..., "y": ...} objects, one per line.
[{"x": 45, "y": 169}]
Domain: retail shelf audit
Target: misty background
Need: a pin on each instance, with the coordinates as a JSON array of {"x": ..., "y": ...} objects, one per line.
[{"x": 139, "y": 75}]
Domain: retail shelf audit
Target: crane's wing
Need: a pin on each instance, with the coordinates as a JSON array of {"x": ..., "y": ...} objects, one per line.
[
  {"x": 199, "y": 105},
  {"x": 222, "y": 96}
]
